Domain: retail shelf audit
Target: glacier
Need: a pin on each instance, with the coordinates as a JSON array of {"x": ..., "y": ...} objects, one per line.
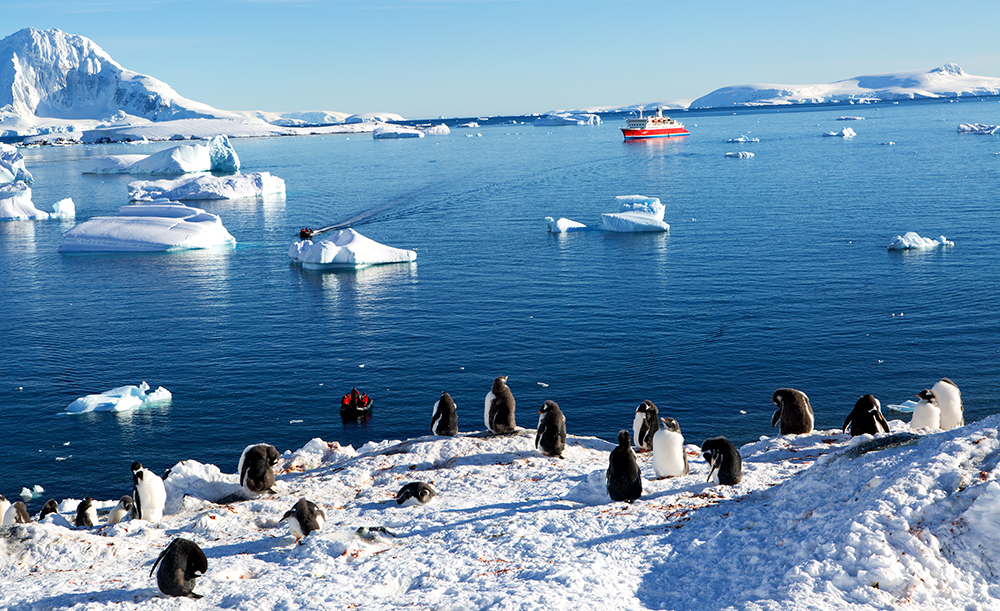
[
  {"x": 119, "y": 399},
  {"x": 207, "y": 186},
  {"x": 346, "y": 248},
  {"x": 216, "y": 156}
]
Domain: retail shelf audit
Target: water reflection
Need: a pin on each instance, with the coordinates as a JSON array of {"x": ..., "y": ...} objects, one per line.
[{"x": 360, "y": 288}]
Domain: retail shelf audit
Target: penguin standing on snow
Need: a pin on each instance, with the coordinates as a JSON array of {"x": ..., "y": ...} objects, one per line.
[
  {"x": 256, "y": 468},
  {"x": 949, "y": 399},
  {"x": 866, "y": 418},
  {"x": 86, "y": 513},
  {"x": 121, "y": 510},
  {"x": 624, "y": 479},
  {"x": 669, "y": 459},
  {"x": 16, "y": 514},
  {"x": 926, "y": 412},
  {"x": 303, "y": 518},
  {"x": 4, "y": 506},
  {"x": 415, "y": 493},
  {"x": 180, "y": 564},
  {"x": 550, "y": 439},
  {"x": 148, "y": 494},
  {"x": 499, "y": 414},
  {"x": 794, "y": 412},
  {"x": 645, "y": 425},
  {"x": 726, "y": 466},
  {"x": 444, "y": 419}
]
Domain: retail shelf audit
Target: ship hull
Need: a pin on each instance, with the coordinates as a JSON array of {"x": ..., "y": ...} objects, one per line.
[{"x": 646, "y": 134}]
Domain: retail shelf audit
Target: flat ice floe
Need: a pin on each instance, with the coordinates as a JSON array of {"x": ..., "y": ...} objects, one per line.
[
  {"x": 216, "y": 156},
  {"x": 390, "y": 132},
  {"x": 913, "y": 241},
  {"x": 120, "y": 399},
  {"x": 567, "y": 118},
  {"x": 635, "y": 213},
  {"x": 207, "y": 186},
  {"x": 346, "y": 248},
  {"x": 847, "y": 132},
  {"x": 161, "y": 225},
  {"x": 978, "y": 128}
]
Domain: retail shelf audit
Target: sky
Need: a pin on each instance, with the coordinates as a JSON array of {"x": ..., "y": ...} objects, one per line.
[{"x": 467, "y": 58}]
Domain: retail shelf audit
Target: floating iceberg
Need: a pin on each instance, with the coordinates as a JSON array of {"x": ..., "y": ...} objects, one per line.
[
  {"x": 635, "y": 213},
  {"x": 207, "y": 186},
  {"x": 977, "y": 128},
  {"x": 217, "y": 156},
  {"x": 161, "y": 225},
  {"x": 119, "y": 399},
  {"x": 564, "y": 225},
  {"x": 847, "y": 132},
  {"x": 347, "y": 249},
  {"x": 911, "y": 240},
  {"x": 740, "y": 155},
  {"x": 742, "y": 139},
  {"x": 12, "y": 166},
  {"x": 437, "y": 130},
  {"x": 567, "y": 118},
  {"x": 389, "y": 132},
  {"x": 15, "y": 192},
  {"x": 850, "y": 118}
]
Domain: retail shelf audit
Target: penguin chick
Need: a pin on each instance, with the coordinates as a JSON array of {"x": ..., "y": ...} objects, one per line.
[
  {"x": 303, "y": 518},
  {"x": 550, "y": 438},
  {"x": 794, "y": 412},
  {"x": 724, "y": 461},
  {"x": 866, "y": 418},
  {"x": 499, "y": 413},
  {"x": 645, "y": 424},
  {"x": 444, "y": 420},
  {"x": 415, "y": 493},
  {"x": 256, "y": 468},
  {"x": 669, "y": 458},
  {"x": 16, "y": 514},
  {"x": 180, "y": 564},
  {"x": 49, "y": 507},
  {"x": 121, "y": 510},
  {"x": 926, "y": 413},
  {"x": 623, "y": 477}
]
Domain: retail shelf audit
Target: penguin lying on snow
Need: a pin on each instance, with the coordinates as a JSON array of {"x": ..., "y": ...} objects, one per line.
[
  {"x": 926, "y": 413},
  {"x": 949, "y": 399},
  {"x": 499, "y": 414},
  {"x": 669, "y": 458},
  {"x": 415, "y": 493},
  {"x": 121, "y": 510},
  {"x": 623, "y": 477},
  {"x": 550, "y": 439},
  {"x": 866, "y": 418},
  {"x": 303, "y": 518},
  {"x": 444, "y": 420},
  {"x": 49, "y": 507},
  {"x": 148, "y": 494},
  {"x": 256, "y": 468},
  {"x": 645, "y": 425},
  {"x": 724, "y": 460},
  {"x": 794, "y": 412},
  {"x": 180, "y": 564},
  {"x": 86, "y": 513}
]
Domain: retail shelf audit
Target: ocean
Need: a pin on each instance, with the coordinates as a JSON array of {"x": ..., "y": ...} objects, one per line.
[{"x": 774, "y": 274}]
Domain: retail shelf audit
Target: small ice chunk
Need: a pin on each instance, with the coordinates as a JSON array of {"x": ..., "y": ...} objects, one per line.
[
  {"x": 850, "y": 118},
  {"x": 26, "y": 494},
  {"x": 119, "y": 399},
  {"x": 437, "y": 130},
  {"x": 740, "y": 155},
  {"x": 563, "y": 225},
  {"x": 347, "y": 249},
  {"x": 389, "y": 132},
  {"x": 912, "y": 240},
  {"x": 160, "y": 225},
  {"x": 847, "y": 132},
  {"x": 635, "y": 213}
]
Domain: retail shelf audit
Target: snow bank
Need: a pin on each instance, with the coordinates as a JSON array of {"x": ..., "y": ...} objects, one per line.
[
  {"x": 120, "y": 399},
  {"x": 977, "y": 128},
  {"x": 217, "y": 156},
  {"x": 635, "y": 213},
  {"x": 912, "y": 240},
  {"x": 161, "y": 225},
  {"x": 347, "y": 249},
  {"x": 847, "y": 132},
  {"x": 207, "y": 186},
  {"x": 566, "y": 118},
  {"x": 389, "y": 132},
  {"x": 564, "y": 225}
]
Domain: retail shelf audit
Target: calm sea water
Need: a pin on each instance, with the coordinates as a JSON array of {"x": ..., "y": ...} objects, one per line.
[{"x": 774, "y": 273}]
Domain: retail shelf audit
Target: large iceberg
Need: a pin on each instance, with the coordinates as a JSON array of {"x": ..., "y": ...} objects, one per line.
[
  {"x": 12, "y": 166},
  {"x": 635, "y": 213},
  {"x": 15, "y": 192},
  {"x": 207, "y": 186},
  {"x": 567, "y": 118},
  {"x": 161, "y": 225},
  {"x": 119, "y": 399},
  {"x": 347, "y": 249},
  {"x": 217, "y": 156},
  {"x": 387, "y": 132},
  {"x": 911, "y": 240}
]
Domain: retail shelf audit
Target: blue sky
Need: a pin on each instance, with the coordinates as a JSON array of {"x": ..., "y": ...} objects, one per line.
[{"x": 424, "y": 59}]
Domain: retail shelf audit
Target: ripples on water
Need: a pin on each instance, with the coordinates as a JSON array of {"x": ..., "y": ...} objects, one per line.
[{"x": 774, "y": 274}]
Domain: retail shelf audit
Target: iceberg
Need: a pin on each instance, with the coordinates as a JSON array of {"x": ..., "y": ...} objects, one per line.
[
  {"x": 437, "y": 130},
  {"x": 977, "y": 128},
  {"x": 207, "y": 186},
  {"x": 848, "y": 118},
  {"x": 217, "y": 156},
  {"x": 119, "y": 399},
  {"x": 567, "y": 118},
  {"x": 12, "y": 166},
  {"x": 564, "y": 225},
  {"x": 388, "y": 132},
  {"x": 847, "y": 132},
  {"x": 913, "y": 241},
  {"x": 347, "y": 249},
  {"x": 16, "y": 205},
  {"x": 161, "y": 225},
  {"x": 740, "y": 155},
  {"x": 635, "y": 213},
  {"x": 742, "y": 139}
]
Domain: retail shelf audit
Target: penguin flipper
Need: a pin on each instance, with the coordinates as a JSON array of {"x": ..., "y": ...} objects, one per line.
[
  {"x": 775, "y": 417},
  {"x": 160, "y": 557},
  {"x": 880, "y": 422},
  {"x": 538, "y": 435},
  {"x": 847, "y": 421},
  {"x": 684, "y": 454}
]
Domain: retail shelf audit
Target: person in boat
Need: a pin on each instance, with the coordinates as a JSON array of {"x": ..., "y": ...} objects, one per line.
[
  {"x": 345, "y": 401},
  {"x": 355, "y": 398},
  {"x": 365, "y": 400}
]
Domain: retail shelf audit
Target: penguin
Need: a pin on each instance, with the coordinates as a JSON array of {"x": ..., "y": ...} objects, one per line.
[
  {"x": 49, "y": 507},
  {"x": 669, "y": 458},
  {"x": 303, "y": 518},
  {"x": 4, "y": 506},
  {"x": 726, "y": 466},
  {"x": 550, "y": 438},
  {"x": 866, "y": 418},
  {"x": 415, "y": 493},
  {"x": 499, "y": 414},
  {"x": 86, "y": 513},
  {"x": 256, "y": 468},
  {"x": 624, "y": 478},
  {"x": 645, "y": 425},
  {"x": 794, "y": 412},
  {"x": 148, "y": 494},
  {"x": 444, "y": 420},
  {"x": 949, "y": 399},
  {"x": 16, "y": 514},
  {"x": 121, "y": 510},
  {"x": 180, "y": 564},
  {"x": 926, "y": 412}
]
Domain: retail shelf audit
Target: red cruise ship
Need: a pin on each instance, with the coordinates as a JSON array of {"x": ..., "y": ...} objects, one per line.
[{"x": 653, "y": 126}]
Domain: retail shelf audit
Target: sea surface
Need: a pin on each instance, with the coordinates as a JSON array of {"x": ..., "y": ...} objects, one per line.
[{"x": 774, "y": 274}]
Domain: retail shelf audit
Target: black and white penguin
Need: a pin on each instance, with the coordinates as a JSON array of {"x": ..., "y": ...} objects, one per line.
[
  {"x": 794, "y": 412},
  {"x": 444, "y": 420},
  {"x": 4, "y": 506},
  {"x": 256, "y": 468},
  {"x": 16, "y": 514},
  {"x": 726, "y": 466},
  {"x": 866, "y": 418},
  {"x": 121, "y": 510},
  {"x": 180, "y": 564},
  {"x": 86, "y": 513},
  {"x": 550, "y": 438},
  {"x": 645, "y": 425},
  {"x": 926, "y": 413},
  {"x": 49, "y": 507},
  {"x": 148, "y": 494},
  {"x": 624, "y": 478},
  {"x": 415, "y": 493},
  {"x": 949, "y": 400},
  {"x": 669, "y": 458},
  {"x": 303, "y": 518},
  {"x": 499, "y": 414}
]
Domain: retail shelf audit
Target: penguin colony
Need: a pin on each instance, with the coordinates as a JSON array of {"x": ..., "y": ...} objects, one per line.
[{"x": 183, "y": 561}]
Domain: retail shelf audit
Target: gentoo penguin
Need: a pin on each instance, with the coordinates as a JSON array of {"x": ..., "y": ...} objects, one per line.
[
  {"x": 866, "y": 418},
  {"x": 926, "y": 412},
  {"x": 726, "y": 466},
  {"x": 793, "y": 411},
  {"x": 4, "y": 506},
  {"x": 16, "y": 514},
  {"x": 669, "y": 459},
  {"x": 550, "y": 438},
  {"x": 645, "y": 425},
  {"x": 499, "y": 414},
  {"x": 949, "y": 399},
  {"x": 303, "y": 518},
  {"x": 121, "y": 510},
  {"x": 50, "y": 506},
  {"x": 148, "y": 494},
  {"x": 86, "y": 513},
  {"x": 415, "y": 493},
  {"x": 257, "y": 468},
  {"x": 624, "y": 478},
  {"x": 444, "y": 420},
  {"x": 180, "y": 564}
]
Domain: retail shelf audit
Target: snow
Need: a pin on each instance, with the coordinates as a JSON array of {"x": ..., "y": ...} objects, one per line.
[
  {"x": 120, "y": 399},
  {"x": 217, "y": 156},
  {"x": 346, "y": 248},
  {"x": 566, "y": 118},
  {"x": 635, "y": 213},
  {"x": 161, "y": 225},
  {"x": 912, "y": 240},
  {"x": 386, "y": 132},
  {"x": 847, "y": 132},
  {"x": 373, "y": 117},
  {"x": 977, "y": 128},
  {"x": 207, "y": 186}
]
